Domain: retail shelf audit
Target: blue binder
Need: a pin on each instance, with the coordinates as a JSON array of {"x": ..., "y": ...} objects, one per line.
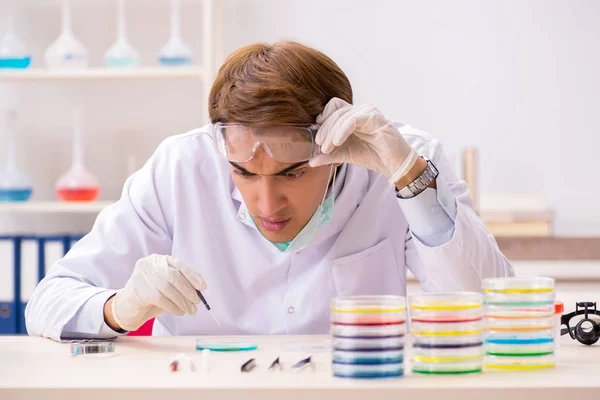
[
  {"x": 10, "y": 284},
  {"x": 30, "y": 261},
  {"x": 24, "y": 261},
  {"x": 35, "y": 261}
]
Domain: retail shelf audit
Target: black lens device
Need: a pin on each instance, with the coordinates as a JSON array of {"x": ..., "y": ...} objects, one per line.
[{"x": 587, "y": 331}]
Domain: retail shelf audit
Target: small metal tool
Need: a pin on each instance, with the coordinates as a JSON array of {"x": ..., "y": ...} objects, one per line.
[
  {"x": 303, "y": 363},
  {"x": 249, "y": 365},
  {"x": 275, "y": 365}
]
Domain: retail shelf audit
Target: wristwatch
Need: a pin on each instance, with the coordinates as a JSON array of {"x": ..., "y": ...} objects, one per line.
[{"x": 420, "y": 184}]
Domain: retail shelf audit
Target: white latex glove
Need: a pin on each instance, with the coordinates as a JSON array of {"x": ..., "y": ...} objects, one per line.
[
  {"x": 360, "y": 135},
  {"x": 158, "y": 284}
]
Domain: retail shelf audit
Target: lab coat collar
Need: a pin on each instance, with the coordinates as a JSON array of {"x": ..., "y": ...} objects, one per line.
[
  {"x": 355, "y": 187},
  {"x": 235, "y": 193},
  {"x": 242, "y": 210}
]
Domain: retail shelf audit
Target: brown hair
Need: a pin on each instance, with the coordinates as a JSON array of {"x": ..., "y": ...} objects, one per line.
[{"x": 283, "y": 83}]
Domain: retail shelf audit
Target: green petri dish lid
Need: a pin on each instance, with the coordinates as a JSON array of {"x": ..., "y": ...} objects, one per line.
[{"x": 225, "y": 344}]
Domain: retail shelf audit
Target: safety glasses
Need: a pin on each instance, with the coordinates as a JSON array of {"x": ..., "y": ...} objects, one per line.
[{"x": 284, "y": 143}]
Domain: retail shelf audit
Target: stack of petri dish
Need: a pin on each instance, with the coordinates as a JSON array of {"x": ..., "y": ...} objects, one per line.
[
  {"x": 368, "y": 336},
  {"x": 447, "y": 333},
  {"x": 520, "y": 325}
]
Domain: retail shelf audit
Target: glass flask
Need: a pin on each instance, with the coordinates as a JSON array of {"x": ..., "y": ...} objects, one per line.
[
  {"x": 66, "y": 51},
  {"x": 121, "y": 54},
  {"x": 13, "y": 53},
  {"x": 175, "y": 52},
  {"x": 77, "y": 184},
  {"x": 14, "y": 186}
]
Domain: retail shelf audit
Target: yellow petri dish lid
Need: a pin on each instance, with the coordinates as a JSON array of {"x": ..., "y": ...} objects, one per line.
[{"x": 369, "y": 304}]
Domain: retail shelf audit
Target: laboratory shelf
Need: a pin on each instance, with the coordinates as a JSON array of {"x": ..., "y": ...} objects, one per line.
[
  {"x": 55, "y": 207},
  {"x": 139, "y": 73}
]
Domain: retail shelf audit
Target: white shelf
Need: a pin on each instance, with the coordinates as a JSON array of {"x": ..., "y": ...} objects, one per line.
[
  {"x": 43, "y": 74},
  {"x": 54, "y": 207}
]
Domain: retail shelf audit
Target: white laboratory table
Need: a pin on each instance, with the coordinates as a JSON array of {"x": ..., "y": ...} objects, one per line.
[{"x": 36, "y": 368}]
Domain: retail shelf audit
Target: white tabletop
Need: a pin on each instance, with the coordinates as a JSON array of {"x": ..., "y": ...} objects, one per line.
[{"x": 36, "y": 368}]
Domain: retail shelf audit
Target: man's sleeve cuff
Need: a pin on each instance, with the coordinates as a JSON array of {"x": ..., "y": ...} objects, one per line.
[
  {"x": 89, "y": 320},
  {"x": 431, "y": 215}
]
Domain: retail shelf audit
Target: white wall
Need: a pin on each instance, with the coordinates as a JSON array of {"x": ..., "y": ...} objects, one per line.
[{"x": 518, "y": 79}]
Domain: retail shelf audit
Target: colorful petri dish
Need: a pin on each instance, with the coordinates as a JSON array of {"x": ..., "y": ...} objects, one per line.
[
  {"x": 368, "y": 344},
  {"x": 524, "y": 350},
  {"x": 448, "y": 342},
  {"x": 368, "y": 371},
  {"x": 512, "y": 313},
  {"x": 367, "y": 357},
  {"x": 225, "y": 344},
  {"x": 368, "y": 319},
  {"x": 343, "y": 330},
  {"x": 519, "y": 325},
  {"x": 518, "y": 363},
  {"x": 368, "y": 304},
  {"x": 518, "y": 285},
  {"x": 444, "y": 302},
  {"x": 535, "y": 342},
  {"x": 519, "y": 337},
  {"x": 368, "y": 310},
  {"x": 437, "y": 355},
  {"x": 446, "y": 329},
  {"x": 521, "y": 302},
  {"x": 450, "y": 317},
  {"x": 468, "y": 367}
]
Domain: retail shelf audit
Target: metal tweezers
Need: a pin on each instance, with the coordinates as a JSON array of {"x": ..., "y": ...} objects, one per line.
[
  {"x": 303, "y": 363},
  {"x": 249, "y": 365},
  {"x": 275, "y": 365}
]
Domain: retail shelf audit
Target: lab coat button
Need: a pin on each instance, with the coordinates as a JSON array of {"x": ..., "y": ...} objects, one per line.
[
  {"x": 435, "y": 209},
  {"x": 291, "y": 310},
  {"x": 445, "y": 201},
  {"x": 242, "y": 217}
]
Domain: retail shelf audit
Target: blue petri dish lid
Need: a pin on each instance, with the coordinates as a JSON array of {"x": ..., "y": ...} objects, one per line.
[{"x": 368, "y": 371}]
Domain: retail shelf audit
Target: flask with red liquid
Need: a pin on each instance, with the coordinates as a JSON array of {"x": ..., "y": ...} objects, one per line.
[{"x": 77, "y": 184}]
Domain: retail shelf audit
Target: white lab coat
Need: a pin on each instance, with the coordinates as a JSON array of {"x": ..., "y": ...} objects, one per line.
[{"x": 183, "y": 202}]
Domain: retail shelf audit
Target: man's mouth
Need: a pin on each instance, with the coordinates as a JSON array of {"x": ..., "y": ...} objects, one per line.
[{"x": 274, "y": 224}]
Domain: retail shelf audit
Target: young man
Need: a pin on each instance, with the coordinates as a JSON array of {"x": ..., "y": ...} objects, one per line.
[{"x": 290, "y": 197}]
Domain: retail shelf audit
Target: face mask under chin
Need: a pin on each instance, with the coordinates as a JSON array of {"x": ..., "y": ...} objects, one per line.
[{"x": 320, "y": 217}]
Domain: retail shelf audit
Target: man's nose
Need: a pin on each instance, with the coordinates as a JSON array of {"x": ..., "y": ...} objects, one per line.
[{"x": 270, "y": 199}]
